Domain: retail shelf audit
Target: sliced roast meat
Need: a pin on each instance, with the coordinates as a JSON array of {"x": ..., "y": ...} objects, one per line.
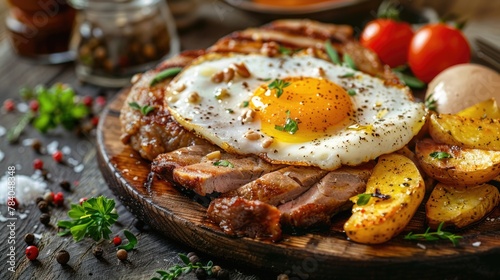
[
  {"x": 317, "y": 206},
  {"x": 242, "y": 217},
  {"x": 280, "y": 186},
  {"x": 164, "y": 164},
  {"x": 224, "y": 175}
]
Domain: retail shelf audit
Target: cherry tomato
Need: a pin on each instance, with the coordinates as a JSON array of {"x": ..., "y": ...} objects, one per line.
[
  {"x": 389, "y": 39},
  {"x": 436, "y": 47}
]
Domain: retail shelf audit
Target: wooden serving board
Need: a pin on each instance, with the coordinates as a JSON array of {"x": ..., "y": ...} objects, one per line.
[{"x": 322, "y": 254}]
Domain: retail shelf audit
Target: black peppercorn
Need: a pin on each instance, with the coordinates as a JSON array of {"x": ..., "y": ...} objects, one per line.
[
  {"x": 194, "y": 259},
  {"x": 62, "y": 257},
  {"x": 38, "y": 199},
  {"x": 283, "y": 277},
  {"x": 29, "y": 238},
  {"x": 43, "y": 206},
  {"x": 223, "y": 274},
  {"x": 215, "y": 270},
  {"x": 98, "y": 251},
  {"x": 45, "y": 218},
  {"x": 36, "y": 145},
  {"x": 200, "y": 273},
  {"x": 191, "y": 254},
  {"x": 65, "y": 185}
]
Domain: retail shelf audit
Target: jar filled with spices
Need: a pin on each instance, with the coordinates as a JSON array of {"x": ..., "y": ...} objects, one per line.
[
  {"x": 115, "y": 39},
  {"x": 40, "y": 30}
]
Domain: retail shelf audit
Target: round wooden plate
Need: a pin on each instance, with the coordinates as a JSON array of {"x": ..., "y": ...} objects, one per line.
[{"x": 322, "y": 254}]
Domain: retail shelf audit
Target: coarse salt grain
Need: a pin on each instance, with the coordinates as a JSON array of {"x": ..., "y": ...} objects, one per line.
[
  {"x": 2, "y": 155},
  {"x": 421, "y": 246},
  {"x": 52, "y": 147},
  {"x": 476, "y": 244},
  {"x": 27, "y": 188},
  {"x": 3, "y": 130}
]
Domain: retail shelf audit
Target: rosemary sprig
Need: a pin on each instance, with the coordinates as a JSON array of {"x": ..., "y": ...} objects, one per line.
[
  {"x": 179, "y": 269},
  {"x": 434, "y": 236}
]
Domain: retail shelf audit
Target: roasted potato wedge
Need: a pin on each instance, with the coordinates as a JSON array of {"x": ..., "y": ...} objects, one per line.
[
  {"x": 460, "y": 206},
  {"x": 485, "y": 109},
  {"x": 465, "y": 132},
  {"x": 395, "y": 190},
  {"x": 455, "y": 165}
]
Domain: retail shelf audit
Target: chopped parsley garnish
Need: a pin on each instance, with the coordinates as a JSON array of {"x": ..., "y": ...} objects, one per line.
[
  {"x": 351, "y": 92},
  {"x": 347, "y": 75},
  {"x": 291, "y": 126},
  {"x": 285, "y": 50},
  {"x": 440, "y": 155},
  {"x": 245, "y": 104},
  {"x": 145, "y": 110},
  {"x": 224, "y": 163},
  {"x": 229, "y": 110},
  {"x": 278, "y": 85},
  {"x": 332, "y": 53},
  {"x": 364, "y": 198}
]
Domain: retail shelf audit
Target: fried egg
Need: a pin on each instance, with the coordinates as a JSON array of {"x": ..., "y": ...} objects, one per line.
[{"x": 297, "y": 110}]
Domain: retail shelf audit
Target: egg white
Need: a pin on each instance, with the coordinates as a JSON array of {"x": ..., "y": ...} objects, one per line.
[{"x": 385, "y": 117}]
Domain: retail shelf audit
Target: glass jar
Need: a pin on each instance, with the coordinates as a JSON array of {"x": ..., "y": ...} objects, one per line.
[
  {"x": 41, "y": 30},
  {"x": 115, "y": 39}
]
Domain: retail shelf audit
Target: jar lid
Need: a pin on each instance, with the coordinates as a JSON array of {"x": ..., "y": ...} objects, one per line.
[{"x": 111, "y": 5}]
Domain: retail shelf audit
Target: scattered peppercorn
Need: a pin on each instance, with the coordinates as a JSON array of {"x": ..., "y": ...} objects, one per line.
[
  {"x": 223, "y": 274},
  {"x": 94, "y": 121},
  {"x": 32, "y": 252},
  {"x": 215, "y": 270},
  {"x": 14, "y": 203},
  {"x": 34, "y": 105},
  {"x": 200, "y": 273},
  {"x": 194, "y": 259},
  {"x": 48, "y": 197},
  {"x": 38, "y": 164},
  {"x": 29, "y": 238},
  {"x": 87, "y": 100},
  {"x": 36, "y": 145},
  {"x": 45, "y": 218},
  {"x": 38, "y": 199},
  {"x": 191, "y": 254},
  {"x": 59, "y": 199},
  {"x": 98, "y": 251},
  {"x": 82, "y": 200},
  {"x": 57, "y": 156},
  {"x": 43, "y": 206},
  {"x": 62, "y": 257},
  {"x": 121, "y": 254},
  {"x": 9, "y": 105},
  {"x": 100, "y": 101},
  {"x": 65, "y": 185},
  {"x": 117, "y": 240},
  {"x": 283, "y": 277}
]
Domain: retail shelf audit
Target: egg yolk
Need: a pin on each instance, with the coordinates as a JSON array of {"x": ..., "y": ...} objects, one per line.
[{"x": 300, "y": 109}]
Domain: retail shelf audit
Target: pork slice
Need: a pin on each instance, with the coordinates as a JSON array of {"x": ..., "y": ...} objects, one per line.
[
  {"x": 242, "y": 217},
  {"x": 281, "y": 185},
  {"x": 329, "y": 196},
  {"x": 164, "y": 164},
  {"x": 224, "y": 175}
]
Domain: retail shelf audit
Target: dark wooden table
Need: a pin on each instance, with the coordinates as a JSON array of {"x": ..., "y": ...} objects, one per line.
[{"x": 154, "y": 252}]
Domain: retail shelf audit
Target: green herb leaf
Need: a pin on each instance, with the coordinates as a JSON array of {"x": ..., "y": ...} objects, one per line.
[
  {"x": 229, "y": 110},
  {"x": 410, "y": 80},
  {"x": 347, "y": 75},
  {"x": 245, "y": 104},
  {"x": 278, "y": 85},
  {"x": 332, "y": 53},
  {"x": 363, "y": 199},
  {"x": 348, "y": 61},
  {"x": 224, "y": 163},
  {"x": 145, "y": 110},
  {"x": 291, "y": 126},
  {"x": 431, "y": 103},
  {"x": 91, "y": 219},
  {"x": 14, "y": 133},
  {"x": 433, "y": 236},
  {"x": 132, "y": 241},
  {"x": 351, "y": 92},
  {"x": 440, "y": 155},
  {"x": 284, "y": 50},
  {"x": 165, "y": 74},
  {"x": 184, "y": 259},
  {"x": 187, "y": 267}
]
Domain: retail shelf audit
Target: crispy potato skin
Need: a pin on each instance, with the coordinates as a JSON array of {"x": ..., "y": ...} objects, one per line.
[
  {"x": 466, "y": 167},
  {"x": 381, "y": 219},
  {"x": 465, "y": 132},
  {"x": 460, "y": 206}
]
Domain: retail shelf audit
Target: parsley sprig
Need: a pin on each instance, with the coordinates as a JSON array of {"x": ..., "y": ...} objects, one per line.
[
  {"x": 224, "y": 163},
  {"x": 91, "y": 219},
  {"x": 278, "y": 85},
  {"x": 364, "y": 198},
  {"x": 434, "y": 236},
  {"x": 291, "y": 126},
  {"x": 132, "y": 241},
  {"x": 440, "y": 155},
  {"x": 431, "y": 103},
  {"x": 145, "y": 110},
  {"x": 179, "y": 269}
]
